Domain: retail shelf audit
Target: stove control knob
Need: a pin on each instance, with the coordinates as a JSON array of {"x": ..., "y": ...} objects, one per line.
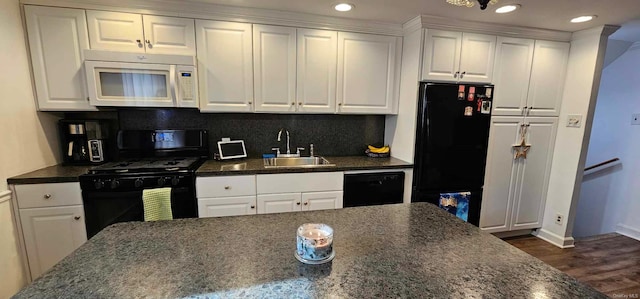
[
  {"x": 175, "y": 181},
  {"x": 98, "y": 184},
  {"x": 115, "y": 184},
  {"x": 161, "y": 182},
  {"x": 138, "y": 183}
]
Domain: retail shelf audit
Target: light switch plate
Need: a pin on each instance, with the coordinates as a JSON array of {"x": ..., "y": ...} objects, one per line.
[
  {"x": 574, "y": 120},
  {"x": 635, "y": 119}
]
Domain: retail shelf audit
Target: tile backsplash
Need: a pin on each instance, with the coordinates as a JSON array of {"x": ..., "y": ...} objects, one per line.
[{"x": 332, "y": 135}]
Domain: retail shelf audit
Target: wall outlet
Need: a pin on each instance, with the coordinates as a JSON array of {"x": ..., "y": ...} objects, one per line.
[
  {"x": 559, "y": 219},
  {"x": 635, "y": 119},
  {"x": 574, "y": 121}
]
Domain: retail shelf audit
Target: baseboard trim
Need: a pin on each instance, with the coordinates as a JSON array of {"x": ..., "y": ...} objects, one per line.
[
  {"x": 511, "y": 234},
  {"x": 562, "y": 242},
  {"x": 628, "y": 231}
]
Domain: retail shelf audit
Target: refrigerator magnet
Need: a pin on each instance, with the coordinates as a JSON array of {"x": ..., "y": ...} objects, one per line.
[
  {"x": 461, "y": 93},
  {"x": 488, "y": 92},
  {"x": 486, "y": 107},
  {"x": 472, "y": 94},
  {"x": 468, "y": 111},
  {"x": 480, "y": 101}
]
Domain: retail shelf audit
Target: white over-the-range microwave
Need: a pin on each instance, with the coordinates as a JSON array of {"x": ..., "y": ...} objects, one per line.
[{"x": 121, "y": 79}]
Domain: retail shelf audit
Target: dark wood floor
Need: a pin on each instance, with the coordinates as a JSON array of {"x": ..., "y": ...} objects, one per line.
[{"x": 609, "y": 263}]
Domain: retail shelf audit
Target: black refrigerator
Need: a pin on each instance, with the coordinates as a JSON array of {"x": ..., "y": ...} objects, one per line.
[{"x": 452, "y": 136}]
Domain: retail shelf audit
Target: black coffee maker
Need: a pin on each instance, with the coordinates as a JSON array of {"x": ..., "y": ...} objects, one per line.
[{"x": 83, "y": 141}]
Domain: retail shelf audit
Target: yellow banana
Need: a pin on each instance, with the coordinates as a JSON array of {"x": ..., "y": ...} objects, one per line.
[{"x": 381, "y": 150}]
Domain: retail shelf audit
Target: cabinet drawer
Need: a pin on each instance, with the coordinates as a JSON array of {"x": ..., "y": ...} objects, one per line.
[
  {"x": 300, "y": 182},
  {"x": 226, "y": 186},
  {"x": 48, "y": 195}
]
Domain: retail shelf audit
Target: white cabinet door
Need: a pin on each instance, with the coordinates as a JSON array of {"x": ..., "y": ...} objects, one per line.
[
  {"x": 274, "y": 67},
  {"x": 514, "y": 57},
  {"x": 368, "y": 74},
  {"x": 548, "y": 75},
  {"x": 167, "y": 35},
  {"x": 322, "y": 201},
  {"x": 50, "y": 234},
  {"x": 500, "y": 175},
  {"x": 441, "y": 55},
  {"x": 477, "y": 57},
  {"x": 226, "y": 206},
  {"x": 534, "y": 174},
  {"x": 317, "y": 69},
  {"x": 57, "y": 37},
  {"x": 279, "y": 203},
  {"x": 225, "y": 67},
  {"x": 115, "y": 31}
]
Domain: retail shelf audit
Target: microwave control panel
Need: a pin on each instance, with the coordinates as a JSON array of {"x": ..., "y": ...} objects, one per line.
[{"x": 186, "y": 85}]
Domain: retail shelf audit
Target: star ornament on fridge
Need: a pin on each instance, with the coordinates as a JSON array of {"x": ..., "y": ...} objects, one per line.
[{"x": 521, "y": 149}]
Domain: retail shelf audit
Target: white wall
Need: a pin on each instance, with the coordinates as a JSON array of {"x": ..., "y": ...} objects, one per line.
[
  {"x": 581, "y": 87},
  {"x": 30, "y": 138},
  {"x": 610, "y": 200}
]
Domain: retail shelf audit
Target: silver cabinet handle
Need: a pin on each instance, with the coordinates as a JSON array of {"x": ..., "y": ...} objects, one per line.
[
  {"x": 298, "y": 203},
  {"x": 339, "y": 104},
  {"x": 77, "y": 218},
  {"x": 139, "y": 43},
  {"x": 47, "y": 196},
  {"x": 462, "y": 75},
  {"x": 300, "y": 103},
  {"x": 227, "y": 187},
  {"x": 456, "y": 74},
  {"x": 249, "y": 102},
  {"x": 293, "y": 103},
  {"x": 306, "y": 203},
  {"x": 253, "y": 207}
]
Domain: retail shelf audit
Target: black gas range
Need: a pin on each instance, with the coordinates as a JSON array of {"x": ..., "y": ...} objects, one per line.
[{"x": 112, "y": 192}]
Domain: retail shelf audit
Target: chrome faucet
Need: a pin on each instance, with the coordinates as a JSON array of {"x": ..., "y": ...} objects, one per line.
[{"x": 280, "y": 139}]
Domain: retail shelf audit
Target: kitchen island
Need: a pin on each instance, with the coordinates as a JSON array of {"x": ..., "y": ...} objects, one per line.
[{"x": 405, "y": 250}]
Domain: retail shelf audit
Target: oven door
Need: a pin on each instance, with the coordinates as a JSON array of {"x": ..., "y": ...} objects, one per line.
[
  {"x": 131, "y": 84},
  {"x": 103, "y": 208}
]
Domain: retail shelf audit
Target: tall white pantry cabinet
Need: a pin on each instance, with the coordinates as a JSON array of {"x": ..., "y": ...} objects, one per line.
[{"x": 529, "y": 77}]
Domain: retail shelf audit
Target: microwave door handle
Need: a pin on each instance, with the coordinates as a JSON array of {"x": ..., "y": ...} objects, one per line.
[{"x": 172, "y": 81}]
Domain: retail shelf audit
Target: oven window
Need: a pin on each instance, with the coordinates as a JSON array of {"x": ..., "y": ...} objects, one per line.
[
  {"x": 133, "y": 84},
  {"x": 106, "y": 208}
]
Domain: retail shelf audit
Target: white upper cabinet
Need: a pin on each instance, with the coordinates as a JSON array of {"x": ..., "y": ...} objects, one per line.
[
  {"x": 442, "y": 55},
  {"x": 115, "y": 31},
  {"x": 548, "y": 75},
  {"x": 457, "y": 56},
  {"x": 317, "y": 69},
  {"x": 512, "y": 72},
  {"x": 167, "y": 35},
  {"x": 274, "y": 62},
  {"x": 368, "y": 73},
  {"x": 126, "y": 32},
  {"x": 225, "y": 68},
  {"x": 57, "y": 38},
  {"x": 476, "y": 60}
]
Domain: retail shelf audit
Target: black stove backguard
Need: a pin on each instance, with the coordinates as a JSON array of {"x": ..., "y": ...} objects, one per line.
[{"x": 162, "y": 143}]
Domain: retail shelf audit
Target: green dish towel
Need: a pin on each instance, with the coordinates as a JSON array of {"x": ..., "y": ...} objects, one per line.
[{"x": 157, "y": 204}]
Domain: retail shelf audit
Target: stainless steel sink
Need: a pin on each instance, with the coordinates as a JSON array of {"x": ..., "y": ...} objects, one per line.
[{"x": 298, "y": 162}]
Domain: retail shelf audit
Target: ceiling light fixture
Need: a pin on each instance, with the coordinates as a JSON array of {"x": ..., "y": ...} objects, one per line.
[
  {"x": 508, "y": 8},
  {"x": 471, "y": 3},
  {"x": 582, "y": 19},
  {"x": 343, "y": 7}
]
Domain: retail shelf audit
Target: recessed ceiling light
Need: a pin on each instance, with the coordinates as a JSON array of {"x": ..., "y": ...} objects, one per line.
[
  {"x": 343, "y": 7},
  {"x": 508, "y": 8},
  {"x": 581, "y": 19}
]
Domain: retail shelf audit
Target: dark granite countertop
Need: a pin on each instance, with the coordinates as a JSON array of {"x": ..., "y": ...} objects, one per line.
[
  {"x": 256, "y": 166},
  {"x": 52, "y": 174},
  {"x": 405, "y": 250}
]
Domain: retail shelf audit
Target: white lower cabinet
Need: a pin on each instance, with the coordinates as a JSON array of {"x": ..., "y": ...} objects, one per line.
[
  {"x": 515, "y": 189},
  {"x": 52, "y": 221},
  {"x": 226, "y": 206},
  {"x": 268, "y": 193},
  {"x": 279, "y": 203}
]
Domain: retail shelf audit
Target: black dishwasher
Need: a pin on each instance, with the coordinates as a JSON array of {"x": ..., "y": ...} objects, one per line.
[{"x": 368, "y": 189}]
